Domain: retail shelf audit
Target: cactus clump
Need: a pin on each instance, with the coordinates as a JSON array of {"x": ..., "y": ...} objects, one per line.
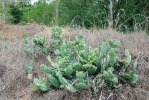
[{"x": 77, "y": 66}]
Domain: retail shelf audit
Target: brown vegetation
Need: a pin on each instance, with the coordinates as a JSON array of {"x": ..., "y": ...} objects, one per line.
[{"x": 15, "y": 86}]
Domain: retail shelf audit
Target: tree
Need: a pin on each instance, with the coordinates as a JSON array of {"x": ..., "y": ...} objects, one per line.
[
  {"x": 110, "y": 13},
  {"x": 56, "y": 19},
  {"x": 3, "y": 11}
]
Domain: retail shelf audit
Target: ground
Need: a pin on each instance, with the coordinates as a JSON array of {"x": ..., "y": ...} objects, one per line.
[{"x": 14, "y": 84}]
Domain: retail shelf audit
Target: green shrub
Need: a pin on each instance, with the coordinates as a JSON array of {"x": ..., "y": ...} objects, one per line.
[
  {"x": 41, "y": 13},
  {"x": 83, "y": 13}
]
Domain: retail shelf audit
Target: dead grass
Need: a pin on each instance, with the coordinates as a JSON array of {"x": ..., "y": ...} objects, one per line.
[{"x": 15, "y": 86}]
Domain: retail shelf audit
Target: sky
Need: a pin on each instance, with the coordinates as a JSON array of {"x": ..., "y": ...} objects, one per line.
[{"x": 33, "y": 1}]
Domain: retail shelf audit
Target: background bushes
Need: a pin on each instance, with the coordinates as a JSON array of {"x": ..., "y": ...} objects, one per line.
[
  {"x": 41, "y": 12},
  {"x": 129, "y": 15},
  {"x": 88, "y": 13}
]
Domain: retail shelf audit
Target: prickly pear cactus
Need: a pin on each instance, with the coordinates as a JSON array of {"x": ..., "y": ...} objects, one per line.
[
  {"x": 40, "y": 85},
  {"x": 37, "y": 43},
  {"x": 77, "y": 66},
  {"x": 93, "y": 56},
  {"x": 110, "y": 78},
  {"x": 131, "y": 76},
  {"x": 57, "y": 39},
  {"x": 26, "y": 47},
  {"x": 128, "y": 59},
  {"x": 39, "y": 40},
  {"x": 30, "y": 69},
  {"x": 91, "y": 69}
]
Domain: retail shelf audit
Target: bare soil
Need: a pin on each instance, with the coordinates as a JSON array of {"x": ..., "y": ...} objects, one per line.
[{"x": 14, "y": 84}]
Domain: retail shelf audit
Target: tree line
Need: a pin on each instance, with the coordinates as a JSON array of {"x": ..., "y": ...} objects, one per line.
[{"x": 122, "y": 15}]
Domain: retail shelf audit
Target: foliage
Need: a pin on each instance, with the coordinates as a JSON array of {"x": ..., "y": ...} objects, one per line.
[
  {"x": 16, "y": 13},
  {"x": 93, "y": 13},
  {"x": 41, "y": 13},
  {"x": 130, "y": 14},
  {"x": 86, "y": 13},
  {"x": 78, "y": 66}
]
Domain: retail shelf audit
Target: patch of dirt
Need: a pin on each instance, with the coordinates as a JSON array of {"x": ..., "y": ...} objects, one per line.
[{"x": 14, "y": 84}]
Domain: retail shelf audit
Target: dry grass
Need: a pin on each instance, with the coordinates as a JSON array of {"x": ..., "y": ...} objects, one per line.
[{"x": 14, "y": 84}]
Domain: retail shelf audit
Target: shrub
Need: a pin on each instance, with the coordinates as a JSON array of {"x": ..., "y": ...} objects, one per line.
[
  {"x": 41, "y": 13},
  {"x": 78, "y": 66}
]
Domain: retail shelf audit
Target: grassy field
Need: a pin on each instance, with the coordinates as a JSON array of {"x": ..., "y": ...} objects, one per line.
[{"x": 14, "y": 84}]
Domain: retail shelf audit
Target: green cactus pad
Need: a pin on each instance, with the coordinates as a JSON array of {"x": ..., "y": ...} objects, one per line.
[
  {"x": 43, "y": 86},
  {"x": 89, "y": 68},
  {"x": 45, "y": 69},
  {"x": 80, "y": 75},
  {"x": 114, "y": 80},
  {"x": 80, "y": 86},
  {"x": 68, "y": 71},
  {"x": 77, "y": 66},
  {"x": 106, "y": 74},
  {"x": 54, "y": 82}
]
